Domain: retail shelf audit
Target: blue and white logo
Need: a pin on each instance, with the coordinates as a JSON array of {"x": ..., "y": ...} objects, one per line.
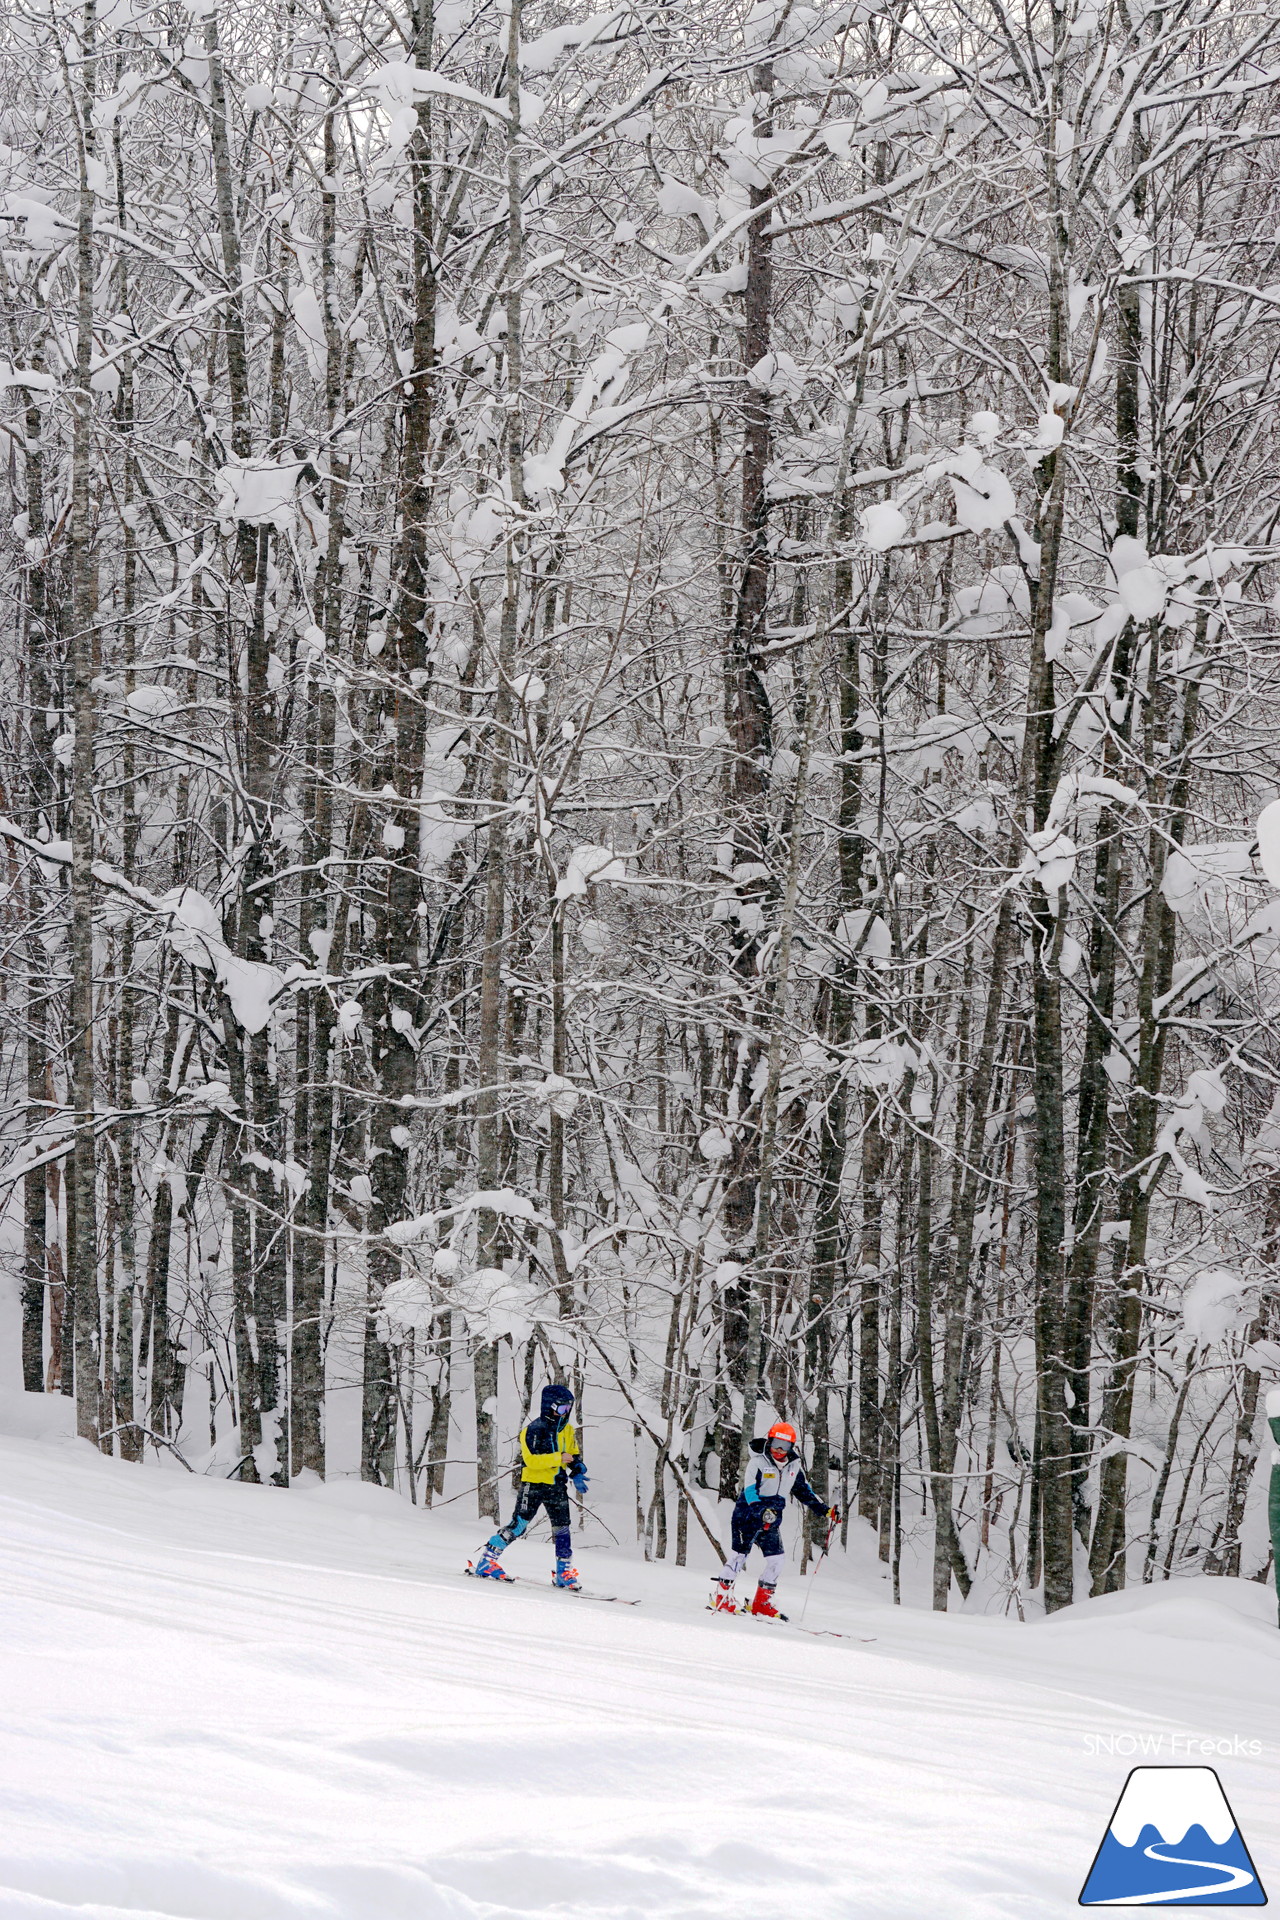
[{"x": 1173, "y": 1842}]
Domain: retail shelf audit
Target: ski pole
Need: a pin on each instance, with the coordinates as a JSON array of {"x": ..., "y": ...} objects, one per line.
[
  {"x": 599, "y": 1522},
  {"x": 831, "y": 1527},
  {"x": 596, "y": 1517}
]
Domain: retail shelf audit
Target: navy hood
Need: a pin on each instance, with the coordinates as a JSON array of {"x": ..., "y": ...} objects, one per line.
[{"x": 550, "y": 1397}]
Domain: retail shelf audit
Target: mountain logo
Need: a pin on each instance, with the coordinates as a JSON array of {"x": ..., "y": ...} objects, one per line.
[{"x": 1173, "y": 1842}]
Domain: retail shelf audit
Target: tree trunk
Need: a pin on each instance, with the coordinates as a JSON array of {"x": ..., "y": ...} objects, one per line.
[
  {"x": 397, "y": 1008},
  {"x": 82, "y": 1267}
]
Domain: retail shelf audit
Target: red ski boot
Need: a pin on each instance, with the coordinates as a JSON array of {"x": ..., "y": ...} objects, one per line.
[
  {"x": 763, "y": 1604},
  {"x": 722, "y": 1600}
]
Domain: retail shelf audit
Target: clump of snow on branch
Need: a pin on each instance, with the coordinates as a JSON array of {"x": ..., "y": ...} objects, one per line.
[
  {"x": 195, "y": 931},
  {"x": 589, "y": 867},
  {"x": 259, "y": 493}
]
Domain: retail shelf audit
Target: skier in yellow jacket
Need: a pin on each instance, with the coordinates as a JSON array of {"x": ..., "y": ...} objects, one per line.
[{"x": 549, "y": 1447}]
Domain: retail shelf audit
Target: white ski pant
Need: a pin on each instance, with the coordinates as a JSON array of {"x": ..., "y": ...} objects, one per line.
[{"x": 768, "y": 1573}]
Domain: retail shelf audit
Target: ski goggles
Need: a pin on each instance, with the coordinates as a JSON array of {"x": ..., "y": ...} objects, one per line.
[{"x": 783, "y": 1450}]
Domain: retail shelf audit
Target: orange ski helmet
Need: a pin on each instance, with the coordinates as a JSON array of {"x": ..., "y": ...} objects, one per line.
[{"x": 782, "y": 1435}]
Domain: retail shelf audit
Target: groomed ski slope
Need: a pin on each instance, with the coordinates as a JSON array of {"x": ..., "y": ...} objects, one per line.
[{"x": 225, "y": 1703}]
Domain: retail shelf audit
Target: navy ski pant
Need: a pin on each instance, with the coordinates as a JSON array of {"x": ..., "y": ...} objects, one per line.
[
  {"x": 529, "y": 1502},
  {"x": 748, "y": 1530}
]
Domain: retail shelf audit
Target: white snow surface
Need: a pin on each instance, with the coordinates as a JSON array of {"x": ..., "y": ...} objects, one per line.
[{"x": 238, "y": 1703}]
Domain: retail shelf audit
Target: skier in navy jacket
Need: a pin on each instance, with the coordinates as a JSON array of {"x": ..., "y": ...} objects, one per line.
[
  {"x": 549, "y": 1448},
  {"x": 774, "y": 1473}
]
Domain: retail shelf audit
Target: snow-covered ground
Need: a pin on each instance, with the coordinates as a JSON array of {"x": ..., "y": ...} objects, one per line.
[{"x": 227, "y": 1703}]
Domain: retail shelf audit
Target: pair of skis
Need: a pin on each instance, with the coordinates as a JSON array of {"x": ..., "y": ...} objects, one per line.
[
  {"x": 738, "y": 1613},
  {"x": 510, "y": 1580},
  {"x": 815, "y": 1633},
  {"x": 745, "y": 1613}
]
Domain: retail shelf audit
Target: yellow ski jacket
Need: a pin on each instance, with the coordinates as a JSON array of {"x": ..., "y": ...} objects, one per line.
[{"x": 547, "y": 1454}]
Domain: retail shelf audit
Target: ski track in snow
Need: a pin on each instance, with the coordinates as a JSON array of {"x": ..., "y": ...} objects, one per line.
[{"x": 225, "y": 1703}]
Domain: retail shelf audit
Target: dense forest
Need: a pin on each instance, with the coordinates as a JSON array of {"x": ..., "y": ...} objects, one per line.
[{"x": 642, "y": 683}]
